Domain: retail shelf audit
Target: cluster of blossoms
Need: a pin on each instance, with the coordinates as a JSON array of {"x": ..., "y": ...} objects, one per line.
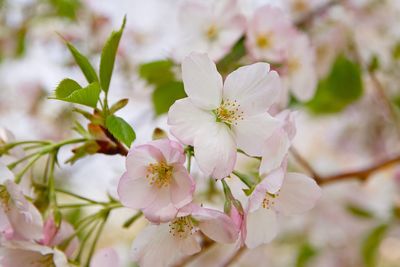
[
  {"x": 269, "y": 34},
  {"x": 25, "y": 238},
  {"x": 216, "y": 120}
]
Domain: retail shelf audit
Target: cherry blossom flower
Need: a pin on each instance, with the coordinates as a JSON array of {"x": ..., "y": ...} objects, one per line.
[
  {"x": 156, "y": 181},
  {"x": 217, "y": 118},
  {"x": 19, "y": 218},
  {"x": 209, "y": 26},
  {"x": 25, "y": 253},
  {"x": 300, "y": 73},
  {"x": 161, "y": 245},
  {"x": 268, "y": 33},
  {"x": 298, "y": 194}
]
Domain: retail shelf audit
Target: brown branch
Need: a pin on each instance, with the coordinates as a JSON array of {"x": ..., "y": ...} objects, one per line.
[
  {"x": 361, "y": 174},
  {"x": 310, "y": 16}
]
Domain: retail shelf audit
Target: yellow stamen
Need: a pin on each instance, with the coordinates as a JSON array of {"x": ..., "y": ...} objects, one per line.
[
  {"x": 159, "y": 174},
  {"x": 182, "y": 227},
  {"x": 264, "y": 41},
  {"x": 269, "y": 200},
  {"x": 212, "y": 32},
  {"x": 229, "y": 112}
]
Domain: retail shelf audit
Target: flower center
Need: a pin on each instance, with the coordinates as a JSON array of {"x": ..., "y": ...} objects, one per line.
[
  {"x": 212, "y": 32},
  {"x": 159, "y": 174},
  {"x": 300, "y": 6},
  {"x": 264, "y": 41},
  {"x": 46, "y": 260},
  {"x": 181, "y": 227},
  {"x": 293, "y": 65},
  {"x": 269, "y": 200},
  {"x": 4, "y": 198},
  {"x": 228, "y": 112}
]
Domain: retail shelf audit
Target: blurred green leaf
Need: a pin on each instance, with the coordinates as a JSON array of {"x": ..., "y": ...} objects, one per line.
[
  {"x": 83, "y": 64},
  {"x": 70, "y": 91},
  {"x": 157, "y": 72},
  {"x": 358, "y": 211},
  {"x": 66, "y": 8},
  {"x": 340, "y": 88},
  {"x": 230, "y": 61},
  {"x": 396, "y": 51},
  {"x": 108, "y": 57},
  {"x": 305, "y": 254},
  {"x": 166, "y": 95},
  {"x": 120, "y": 129},
  {"x": 370, "y": 245}
]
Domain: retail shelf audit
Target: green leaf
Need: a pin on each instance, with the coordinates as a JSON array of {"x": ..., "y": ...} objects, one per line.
[
  {"x": 305, "y": 254},
  {"x": 359, "y": 212},
  {"x": 340, "y": 88},
  {"x": 108, "y": 57},
  {"x": 120, "y": 129},
  {"x": 157, "y": 72},
  {"x": 230, "y": 61},
  {"x": 370, "y": 245},
  {"x": 70, "y": 91},
  {"x": 166, "y": 95},
  {"x": 66, "y": 8},
  {"x": 83, "y": 64}
]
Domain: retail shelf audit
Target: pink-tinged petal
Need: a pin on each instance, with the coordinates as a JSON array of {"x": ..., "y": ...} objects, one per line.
[
  {"x": 185, "y": 120},
  {"x": 253, "y": 131},
  {"x": 155, "y": 246},
  {"x": 273, "y": 181},
  {"x": 262, "y": 227},
  {"x": 257, "y": 196},
  {"x": 298, "y": 194},
  {"x": 193, "y": 16},
  {"x": 135, "y": 193},
  {"x": 189, "y": 245},
  {"x": 215, "y": 150},
  {"x": 254, "y": 87},
  {"x": 25, "y": 219},
  {"x": 139, "y": 158},
  {"x": 5, "y": 173},
  {"x": 216, "y": 225},
  {"x": 288, "y": 118},
  {"x": 54, "y": 236},
  {"x": 106, "y": 257},
  {"x": 203, "y": 83},
  {"x": 182, "y": 187},
  {"x": 172, "y": 151},
  {"x": 5, "y": 226},
  {"x": 276, "y": 149},
  {"x": 162, "y": 208}
]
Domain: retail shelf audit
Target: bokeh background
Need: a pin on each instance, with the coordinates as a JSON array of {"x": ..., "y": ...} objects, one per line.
[{"x": 354, "y": 224}]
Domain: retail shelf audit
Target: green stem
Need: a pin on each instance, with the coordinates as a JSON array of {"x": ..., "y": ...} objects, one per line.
[
  {"x": 15, "y": 163},
  {"x": 244, "y": 178},
  {"x": 18, "y": 176},
  {"x": 84, "y": 240},
  {"x": 133, "y": 219},
  {"x": 80, "y": 205},
  {"x": 189, "y": 161},
  {"x": 96, "y": 239},
  {"x": 79, "y": 197}
]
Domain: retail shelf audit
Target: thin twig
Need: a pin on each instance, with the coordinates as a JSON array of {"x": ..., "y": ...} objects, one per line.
[{"x": 310, "y": 16}]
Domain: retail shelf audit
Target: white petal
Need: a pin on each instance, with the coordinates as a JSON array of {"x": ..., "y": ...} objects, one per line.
[
  {"x": 262, "y": 227},
  {"x": 5, "y": 173},
  {"x": 182, "y": 187},
  {"x": 273, "y": 181},
  {"x": 275, "y": 150},
  {"x": 185, "y": 120},
  {"x": 215, "y": 150},
  {"x": 254, "y": 87},
  {"x": 252, "y": 132},
  {"x": 298, "y": 194},
  {"x": 139, "y": 158},
  {"x": 203, "y": 83},
  {"x": 216, "y": 225}
]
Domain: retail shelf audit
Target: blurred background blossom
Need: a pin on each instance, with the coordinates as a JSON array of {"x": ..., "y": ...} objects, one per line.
[{"x": 347, "y": 126}]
